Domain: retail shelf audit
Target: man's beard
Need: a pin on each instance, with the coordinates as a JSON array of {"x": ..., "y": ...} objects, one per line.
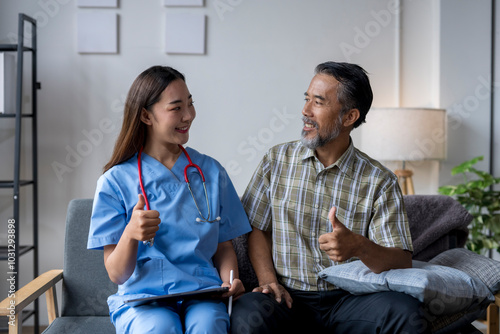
[{"x": 318, "y": 140}]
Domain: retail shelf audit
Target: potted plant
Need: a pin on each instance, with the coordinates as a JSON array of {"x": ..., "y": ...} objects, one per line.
[{"x": 479, "y": 198}]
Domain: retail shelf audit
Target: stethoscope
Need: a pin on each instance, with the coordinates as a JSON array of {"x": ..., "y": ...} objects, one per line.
[{"x": 190, "y": 164}]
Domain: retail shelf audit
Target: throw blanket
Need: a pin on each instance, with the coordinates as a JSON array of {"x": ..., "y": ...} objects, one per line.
[{"x": 433, "y": 218}]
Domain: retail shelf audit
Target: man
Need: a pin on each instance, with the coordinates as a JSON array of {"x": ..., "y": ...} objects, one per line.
[{"x": 320, "y": 202}]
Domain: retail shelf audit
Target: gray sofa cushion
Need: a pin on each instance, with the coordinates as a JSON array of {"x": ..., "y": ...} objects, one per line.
[
  {"x": 245, "y": 268},
  {"x": 478, "y": 266},
  {"x": 81, "y": 325}
]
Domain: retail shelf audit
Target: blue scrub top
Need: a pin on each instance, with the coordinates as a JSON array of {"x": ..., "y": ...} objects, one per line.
[{"x": 181, "y": 258}]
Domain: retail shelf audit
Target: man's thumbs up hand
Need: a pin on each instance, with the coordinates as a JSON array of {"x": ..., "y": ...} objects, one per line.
[
  {"x": 332, "y": 217},
  {"x": 340, "y": 244}
]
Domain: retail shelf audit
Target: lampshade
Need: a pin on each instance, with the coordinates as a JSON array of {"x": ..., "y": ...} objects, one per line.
[{"x": 404, "y": 134}]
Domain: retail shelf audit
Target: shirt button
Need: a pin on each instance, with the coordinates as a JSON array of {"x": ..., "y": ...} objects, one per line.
[
  {"x": 317, "y": 260},
  {"x": 314, "y": 234},
  {"x": 316, "y": 206}
]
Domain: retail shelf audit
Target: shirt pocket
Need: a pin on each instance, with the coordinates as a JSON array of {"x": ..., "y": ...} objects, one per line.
[
  {"x": 356, "y": 221},
  {"x": 147, "y": 277}
]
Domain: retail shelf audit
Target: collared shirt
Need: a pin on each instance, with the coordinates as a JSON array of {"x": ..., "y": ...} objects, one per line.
[{"x": 291, "y": 193}]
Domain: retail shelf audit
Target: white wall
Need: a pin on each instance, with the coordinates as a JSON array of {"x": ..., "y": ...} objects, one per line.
[
  {"x": 248, "y": 88},
  {"x": 419, "y": 77},
  {"x": 465, "y": 79}
]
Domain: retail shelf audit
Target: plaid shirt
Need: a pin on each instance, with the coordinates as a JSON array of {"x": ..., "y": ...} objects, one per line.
[{"x": 291, "y": 193}]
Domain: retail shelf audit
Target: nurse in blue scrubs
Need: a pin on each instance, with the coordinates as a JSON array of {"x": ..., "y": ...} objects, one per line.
[{"x": 183, "y": 242}]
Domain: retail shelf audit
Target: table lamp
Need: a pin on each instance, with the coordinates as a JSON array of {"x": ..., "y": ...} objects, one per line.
[{"x": 404, "y": 134}]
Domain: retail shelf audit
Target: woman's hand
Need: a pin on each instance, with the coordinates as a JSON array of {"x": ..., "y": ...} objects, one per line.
[
  {"x": 236, "y": 289},
  {"x": 143, "y": 224},
  {"x": 120, "y": 259}
]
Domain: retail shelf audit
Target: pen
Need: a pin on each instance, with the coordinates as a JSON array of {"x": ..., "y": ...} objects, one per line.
[{"x": 230, "y": 305}]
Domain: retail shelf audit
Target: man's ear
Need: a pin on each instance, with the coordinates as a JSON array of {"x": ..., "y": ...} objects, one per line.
[
  {"x": 351, "y": 117},
  {"x": 146, "y": 116}
]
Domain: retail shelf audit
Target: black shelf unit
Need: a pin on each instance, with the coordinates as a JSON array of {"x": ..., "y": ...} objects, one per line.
[{"x": 16, "y": 183}]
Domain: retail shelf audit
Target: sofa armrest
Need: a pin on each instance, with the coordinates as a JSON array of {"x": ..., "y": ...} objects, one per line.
[{"x": 12, "y": 307}]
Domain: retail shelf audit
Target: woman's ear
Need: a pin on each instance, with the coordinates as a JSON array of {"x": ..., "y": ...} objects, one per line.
[
  {"x": 145, "y": 116},
  {"x": 351, "y": 117}
]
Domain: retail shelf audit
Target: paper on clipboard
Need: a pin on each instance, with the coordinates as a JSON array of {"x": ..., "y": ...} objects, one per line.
[{"x": 198, "y": 294}]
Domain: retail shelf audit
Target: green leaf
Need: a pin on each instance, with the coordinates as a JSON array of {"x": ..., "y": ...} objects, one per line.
[
  {"x": 475, "y": 246},
  {"x": 483, "y": 175},
  {"x": 476, "y": 193},
  {"x": 490, "y": 243},
  {"x": 465, "y": 166},
  {"x": 493, "y": 206},
  {"x": 461, "y": 189},
  {"x": 447, "y": 190},
  {"x": 494, "y": 224}
]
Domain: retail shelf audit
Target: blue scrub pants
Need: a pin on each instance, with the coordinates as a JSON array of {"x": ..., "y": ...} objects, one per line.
[
  {"x": 194, "y": 316},
  {"x": 334, "y": 311}
]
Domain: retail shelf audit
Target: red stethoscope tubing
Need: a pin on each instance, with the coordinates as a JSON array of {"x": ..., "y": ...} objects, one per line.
[
  {"x": 190, "y": 164},
  {"x": 140, "y": 179}
]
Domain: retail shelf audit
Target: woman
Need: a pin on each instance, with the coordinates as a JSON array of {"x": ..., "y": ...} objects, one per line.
[{"x": 161, "y": 235}]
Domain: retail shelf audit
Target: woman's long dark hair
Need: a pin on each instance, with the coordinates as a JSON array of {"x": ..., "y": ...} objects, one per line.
[{"x": 143, "y": 94}]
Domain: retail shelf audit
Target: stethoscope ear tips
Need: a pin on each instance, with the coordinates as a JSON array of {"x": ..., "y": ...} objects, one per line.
[
  {"x": 218, "y": 218},
  {"x": 198, "y": 220}
]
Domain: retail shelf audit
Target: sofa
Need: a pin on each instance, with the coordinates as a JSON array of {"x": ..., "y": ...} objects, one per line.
[{"x": 437, "y": 223}]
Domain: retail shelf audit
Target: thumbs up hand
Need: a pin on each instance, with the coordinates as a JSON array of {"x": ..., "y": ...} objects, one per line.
[
  {"x": 143, "y": 224},
  {"x": 341, "y": 244},
  {"x": 332, "y": 217}
]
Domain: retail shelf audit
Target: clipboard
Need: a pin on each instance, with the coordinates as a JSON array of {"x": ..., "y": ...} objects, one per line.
[{"x": 174, "y": 297}]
